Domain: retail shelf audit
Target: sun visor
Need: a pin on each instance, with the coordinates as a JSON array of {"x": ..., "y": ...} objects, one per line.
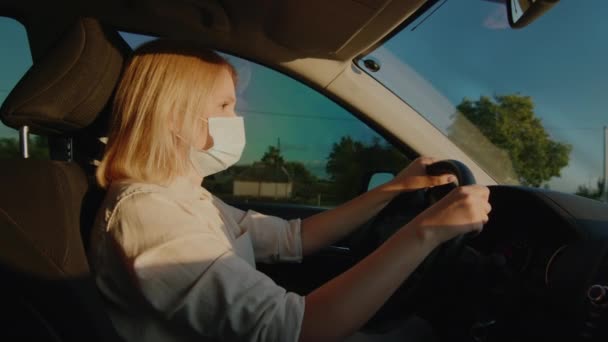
[
  {"x": 66, "y": 89},
  {"x": 340, "y": 28}
]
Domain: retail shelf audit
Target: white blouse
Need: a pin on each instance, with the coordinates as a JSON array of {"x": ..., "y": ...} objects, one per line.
[{"x": 176, "y": 263}]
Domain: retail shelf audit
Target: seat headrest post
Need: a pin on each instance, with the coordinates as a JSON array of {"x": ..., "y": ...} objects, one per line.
[{"x": 24, "y": 135}]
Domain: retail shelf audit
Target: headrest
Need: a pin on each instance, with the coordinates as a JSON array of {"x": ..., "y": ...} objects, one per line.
[{"x": 66, "y": 89}]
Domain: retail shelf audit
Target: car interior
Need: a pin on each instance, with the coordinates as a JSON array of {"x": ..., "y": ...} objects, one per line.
[{"x": 539, "y": 271}]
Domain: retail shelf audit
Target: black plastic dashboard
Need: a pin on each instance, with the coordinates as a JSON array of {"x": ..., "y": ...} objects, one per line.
[
  {"x": 547, "y": 255},
  {"x": 527, "y": 276}
]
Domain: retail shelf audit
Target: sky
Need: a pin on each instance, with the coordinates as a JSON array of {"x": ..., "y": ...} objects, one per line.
[
  {"x": 464, "y": 49},
  {"x": 15, "y": 61},
  {"x": 279, "y": 110}
]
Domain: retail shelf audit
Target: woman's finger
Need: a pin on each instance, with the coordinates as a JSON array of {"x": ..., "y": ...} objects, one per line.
[
  {"x": 427, "y": 160},
  {"x": 440, "y": 180},
  {"x": 487, "y": 207}
]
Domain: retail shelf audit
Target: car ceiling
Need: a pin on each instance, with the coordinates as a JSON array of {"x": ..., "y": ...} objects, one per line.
[{"x": 273, "y": 32}]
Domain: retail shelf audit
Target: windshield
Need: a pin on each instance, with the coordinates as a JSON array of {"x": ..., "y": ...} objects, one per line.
[{"x": 529, "y": 105}]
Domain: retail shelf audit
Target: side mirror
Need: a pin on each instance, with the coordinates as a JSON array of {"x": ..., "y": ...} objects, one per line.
[
  {"x": 379, "y": 178},
  {"x": 523, "y": 12}
]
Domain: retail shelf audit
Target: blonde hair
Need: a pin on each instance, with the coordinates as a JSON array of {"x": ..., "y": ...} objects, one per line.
[{"x": 163, "y": 91}]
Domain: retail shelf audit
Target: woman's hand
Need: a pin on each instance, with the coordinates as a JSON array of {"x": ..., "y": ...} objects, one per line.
[
  {"x": 341, "y": 306},
  {"x": 414, "y": 176},
  {"x": 463, "y": 210}
]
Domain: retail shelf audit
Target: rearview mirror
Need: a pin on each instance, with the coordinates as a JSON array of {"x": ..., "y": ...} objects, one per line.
[{"x": 523, "y": 12}]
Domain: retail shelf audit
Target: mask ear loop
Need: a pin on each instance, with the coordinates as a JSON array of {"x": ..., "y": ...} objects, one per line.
[
  {"x": 204, "y": 119},
  {"x": 209, "y": 136}
]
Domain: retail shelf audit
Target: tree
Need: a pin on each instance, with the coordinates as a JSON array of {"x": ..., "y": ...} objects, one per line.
[
  {"x": 513, "y": 135},
  {"x": 273, "y": 157},
  {"x": 9, "y": 148},
  {"x": 305, "y": 189},
  {"x": 589, "y": 192},
  {"x": 38, "y": 148},
  {"x": 350, "y": 163},
  {"x": 304, "y": 182}
]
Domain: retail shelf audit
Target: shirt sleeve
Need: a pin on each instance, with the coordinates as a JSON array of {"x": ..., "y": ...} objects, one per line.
[
  {"x": 274, "y": 239},
  {"x": 190, "y": 275}
]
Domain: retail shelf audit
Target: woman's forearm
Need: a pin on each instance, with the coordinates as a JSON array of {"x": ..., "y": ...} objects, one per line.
[
  {"x": 332, "y": 225},
  {"x": 340, "y": 307}
]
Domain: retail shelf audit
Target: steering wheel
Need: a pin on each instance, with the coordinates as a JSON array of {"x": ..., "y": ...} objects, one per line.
[
  {"x": 464, "y": 176},
  {"x": 401, "y": 210}
]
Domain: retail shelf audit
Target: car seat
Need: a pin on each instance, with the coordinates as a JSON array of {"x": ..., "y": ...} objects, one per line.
[{"x": 47, "y": 291}]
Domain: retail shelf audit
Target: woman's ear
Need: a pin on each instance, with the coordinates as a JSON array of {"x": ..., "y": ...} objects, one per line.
[
  {"x": 209, "y": 142},
  {"x": 201, "y": 139}
]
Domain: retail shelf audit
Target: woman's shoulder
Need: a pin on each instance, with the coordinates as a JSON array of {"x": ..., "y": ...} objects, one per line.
[
  {"x": 120, "y": 191},
  {"x": 126, "y": 188},
  {"x": 127, "y": 194}
]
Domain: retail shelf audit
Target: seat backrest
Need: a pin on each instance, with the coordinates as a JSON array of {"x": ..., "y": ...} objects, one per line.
[
  {"x": 47, "y": 290},
  {"x": 44, "y": 272}
]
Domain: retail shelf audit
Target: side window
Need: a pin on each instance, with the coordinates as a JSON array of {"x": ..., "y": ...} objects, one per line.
[
  {"x": 15, "y": 60},
  {"x": 302, "y": 148}
]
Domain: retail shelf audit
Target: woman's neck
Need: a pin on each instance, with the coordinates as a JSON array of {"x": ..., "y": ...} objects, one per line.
[{"x": 194, "y": 177}]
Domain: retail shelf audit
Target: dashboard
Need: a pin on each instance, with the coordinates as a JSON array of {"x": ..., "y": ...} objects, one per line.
[
  {"x": 544, "y": 257},
  {"x": 537, "y": 272}
]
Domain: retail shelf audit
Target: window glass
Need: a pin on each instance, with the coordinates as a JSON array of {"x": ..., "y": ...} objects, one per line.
[
  {"x": 301, "y": 147},
  {"x": 15, "y": 60},
  {"x": 528, "y": 105}
]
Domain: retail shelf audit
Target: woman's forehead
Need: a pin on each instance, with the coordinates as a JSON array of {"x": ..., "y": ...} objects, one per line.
[{"x": 225, "y": 88}]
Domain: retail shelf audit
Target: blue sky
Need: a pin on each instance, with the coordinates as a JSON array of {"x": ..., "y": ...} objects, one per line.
[
  {"x": 465, "y": 49},
  {"x": 15, "y": 60}
]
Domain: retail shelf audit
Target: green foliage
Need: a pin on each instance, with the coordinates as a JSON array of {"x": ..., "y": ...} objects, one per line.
[
  {"x": 305, "y": 184},
  {"x": 273, "y": 157},
  {"x": 589, "y": 192},
  {"x": 511, "y": 127},
  {"x": 348, "y": 165},
  {"x": 9, "y": 148},
  {"x": 351, "y": 162},
  {"x": 38, "y": 148},
  {"x": 305, "y": 189}
]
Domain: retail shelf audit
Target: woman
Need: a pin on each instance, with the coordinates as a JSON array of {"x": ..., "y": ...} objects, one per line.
[{"x": 176, "y": 263}]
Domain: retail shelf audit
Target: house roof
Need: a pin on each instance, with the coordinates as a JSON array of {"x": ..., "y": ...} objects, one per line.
[{"x": 261, "y": 172}]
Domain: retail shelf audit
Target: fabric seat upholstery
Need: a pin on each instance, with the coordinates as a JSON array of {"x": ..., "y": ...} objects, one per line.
[
  {"x": 44, "y": 270},
  {"x": 47, "y": 290}
]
